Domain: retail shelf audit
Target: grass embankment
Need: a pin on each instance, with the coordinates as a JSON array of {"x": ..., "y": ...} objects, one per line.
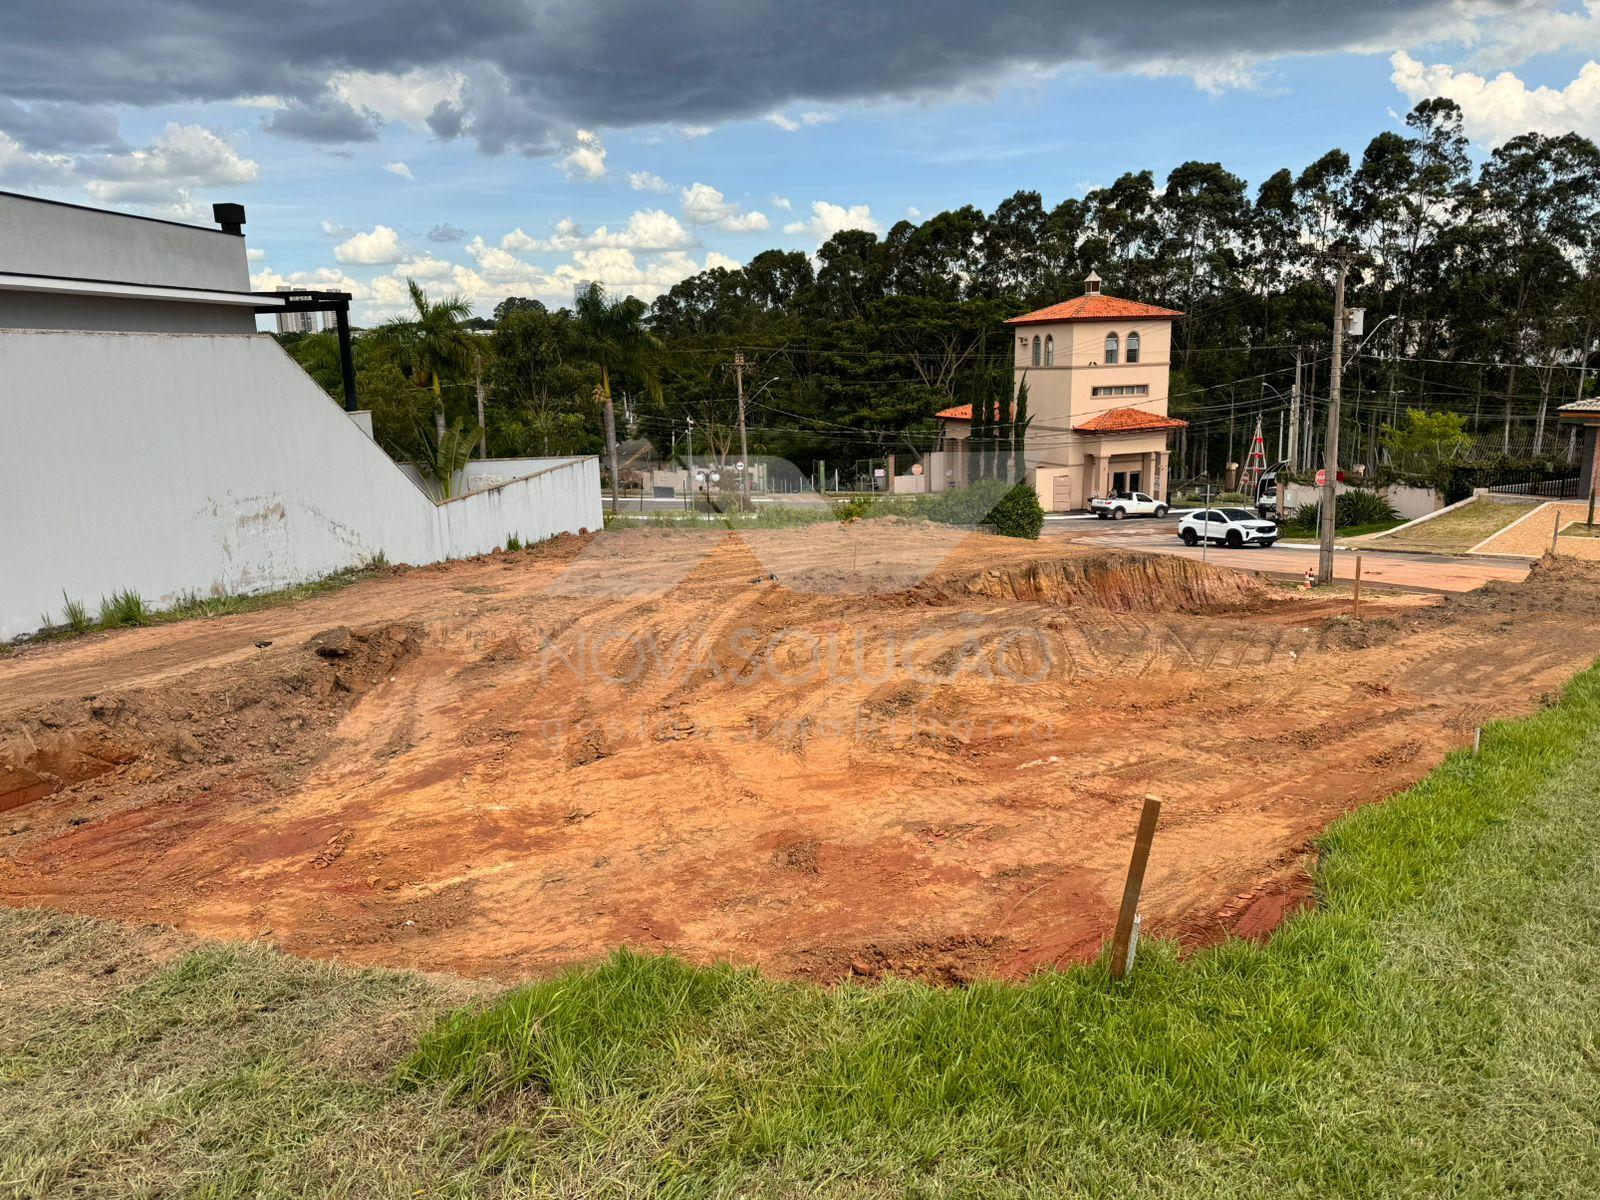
[
  {"x": 1429, "y": 1030},
  {"x": 1457, "y": 531},
  {"x": 1303, "y": 533}
]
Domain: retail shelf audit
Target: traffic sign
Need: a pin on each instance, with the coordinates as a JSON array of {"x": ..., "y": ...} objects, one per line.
[{"x": 1322, "y": 477}]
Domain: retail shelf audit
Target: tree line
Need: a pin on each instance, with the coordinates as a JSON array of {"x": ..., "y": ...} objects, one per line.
[{"x": 1478, "y": 280}]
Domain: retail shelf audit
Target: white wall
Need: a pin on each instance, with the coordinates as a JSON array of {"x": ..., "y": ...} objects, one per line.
[
  {"x": 42, "y": 237},
  {"x": 178, "y": 463},
  {"x": 1409, "y": 502}
]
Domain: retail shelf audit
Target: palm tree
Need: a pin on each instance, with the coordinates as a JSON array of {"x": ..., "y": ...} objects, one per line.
[
  {"x": 430, "y": 342},
  {"x": 612, "y": 335}
]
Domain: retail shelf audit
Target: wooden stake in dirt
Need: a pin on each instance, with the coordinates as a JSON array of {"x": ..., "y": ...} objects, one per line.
[
  {"x": 1122, "y": 941},
  {"x": 1555, "y": 532},
  {"x": 1355, "y": 601}
]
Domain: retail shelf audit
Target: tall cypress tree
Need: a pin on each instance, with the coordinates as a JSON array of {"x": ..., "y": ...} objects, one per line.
[
  {"x": 980, "y": 435},
  {"x": 1002, "y": 441},
  {"x": 1020, "y": 420}
]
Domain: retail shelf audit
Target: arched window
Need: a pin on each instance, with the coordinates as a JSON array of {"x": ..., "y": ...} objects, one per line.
[
  {"x": 1049, "y": 350},
  {"x": 1111, "y": 350},
  {"x": 1133, "y": 348},
  {"x": 1036, "y": 350}
]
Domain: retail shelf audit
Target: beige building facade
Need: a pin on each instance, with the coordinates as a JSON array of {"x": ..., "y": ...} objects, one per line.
[{"x": 1097, "y": 370}]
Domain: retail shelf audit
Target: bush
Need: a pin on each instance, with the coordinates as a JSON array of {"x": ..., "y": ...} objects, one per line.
[
  {"x": 1356, "y": 506},
  {"x": 1019, "y": 514}
]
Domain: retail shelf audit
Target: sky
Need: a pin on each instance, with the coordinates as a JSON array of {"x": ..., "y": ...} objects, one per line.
[{"x": 518, "y": 147}]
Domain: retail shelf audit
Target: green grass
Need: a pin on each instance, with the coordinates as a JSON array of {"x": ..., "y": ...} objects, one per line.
[
  {"x": 1459, "y": 530},
  {"x": 1297, "y": 533},
  {"x": 126, "y": 609},
  {"x": 1429, "y": 1030}
]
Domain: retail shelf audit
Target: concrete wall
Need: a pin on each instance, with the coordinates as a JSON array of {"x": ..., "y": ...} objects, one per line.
[
  {"x": 190, "y": 463},
  {"x": 1409, "y": 502},
  {"x": 40, "y": 237},
  {"x": 47, "y": 310},
  {"x": 483, "y": 473}
]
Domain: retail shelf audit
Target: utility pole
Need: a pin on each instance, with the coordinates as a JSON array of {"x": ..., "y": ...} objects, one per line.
[
  {"x": 744, "y": 446},
  {"x": 477, "y": 386},
  {"x": 1331, "y": 449},
  {"x": 1294, "y": 415}
]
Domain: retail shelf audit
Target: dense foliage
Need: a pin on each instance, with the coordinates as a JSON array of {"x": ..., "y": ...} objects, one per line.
[{"x": 1478, "y": 281}]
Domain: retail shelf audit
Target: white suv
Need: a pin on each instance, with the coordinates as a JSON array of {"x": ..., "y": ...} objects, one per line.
[{"x": 1226, "y": 526}]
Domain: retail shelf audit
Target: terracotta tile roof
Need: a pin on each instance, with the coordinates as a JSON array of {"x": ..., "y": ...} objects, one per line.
[
  {"x": 961, "y": 412},
  {"x": 1128, "y": 420},
  {"x": 1581, "y": 406},
  {"x": 1096, "y": 306}
]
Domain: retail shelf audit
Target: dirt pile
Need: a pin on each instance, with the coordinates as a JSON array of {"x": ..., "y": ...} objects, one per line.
[
  {"x": 746, "y": 749},
  {"x": 280, "y": 704},
  {"x": 1117, "y": 582}
]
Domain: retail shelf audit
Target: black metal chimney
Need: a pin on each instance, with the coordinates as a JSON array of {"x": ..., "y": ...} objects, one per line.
[{"x": 230, "y": 217}]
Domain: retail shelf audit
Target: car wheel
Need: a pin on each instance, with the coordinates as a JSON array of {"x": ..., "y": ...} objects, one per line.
[
  {"x": 1235, "y": 539},
  {"x": 1190, "y": 537},
  {"x": 1269, "y": 543},
  {"x": 1161, "y": 511},
  {"x": 1117, "y": 514}
]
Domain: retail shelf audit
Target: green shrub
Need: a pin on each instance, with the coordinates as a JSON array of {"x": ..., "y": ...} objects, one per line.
[
  {"x": 1357, "y": 506},
  {"x": 1019, "y": 514},
  {"x": 124, "y": 608},
  {"x": 513, "y": 543}
]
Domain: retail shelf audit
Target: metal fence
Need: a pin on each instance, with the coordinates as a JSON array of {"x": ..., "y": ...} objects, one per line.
[{"x": 1549, "y": 489}]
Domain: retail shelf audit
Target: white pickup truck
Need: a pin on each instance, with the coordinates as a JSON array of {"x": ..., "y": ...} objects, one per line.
[{"x": 1126, "y": 504}]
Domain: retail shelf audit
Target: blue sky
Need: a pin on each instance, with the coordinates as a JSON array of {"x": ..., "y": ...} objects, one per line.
[{"x": 358, "y": 177}]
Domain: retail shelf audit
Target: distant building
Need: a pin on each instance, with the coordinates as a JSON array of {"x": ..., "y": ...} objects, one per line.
[
  {"x": 299, "y": 322},
  {"x": 1585, "y": 415},
  {"x": 1096, "y": 368}
]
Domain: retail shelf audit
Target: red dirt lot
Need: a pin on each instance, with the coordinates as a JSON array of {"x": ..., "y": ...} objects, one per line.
[{"x": 878, "y": 747}]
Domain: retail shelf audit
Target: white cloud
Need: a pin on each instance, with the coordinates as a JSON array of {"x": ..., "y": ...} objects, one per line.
[
  {"x": 696, "y": 131},
  {"x": 704, "y": 205},
  {"x": 648, "y": 230},
  {"x": 426, "y": 267},
  {"x": 22, "y": 168},
  {"x": 379, "y": 247},
  {"x": 255, "y": 254},
  {"x": 407, "y": 98},
  {"x": 713, "y": 259},
  {"x": 783, "y": 203},
  {"x": 828, "y": 219},
  {"x": 334, "y": 229},
  {"x": 913, "y": 212},
  {"x": 793, "y": 125},
  {"x": 646, "y": 181},
  {"x": 586, "y": 159},
  {"x": 162, "y": 176},
  {"x": 400, "y": 169},
  {"x": 1493, "y": 110}
]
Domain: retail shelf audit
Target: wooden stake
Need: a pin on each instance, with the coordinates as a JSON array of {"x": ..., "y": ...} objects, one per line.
[
  {"x": 1555, "y": 532},
  {"x": 1121, "y": 941},
  {"x": 1477, "y": 740},
  {"x": 1355, "y": 610}
]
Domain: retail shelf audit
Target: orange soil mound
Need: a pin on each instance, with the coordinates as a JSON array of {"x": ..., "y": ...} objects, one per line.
[{"x": 831, "y": 751}]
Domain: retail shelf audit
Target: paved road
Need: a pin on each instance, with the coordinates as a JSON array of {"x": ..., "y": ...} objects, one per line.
[{"x": 1414, "y": 572}]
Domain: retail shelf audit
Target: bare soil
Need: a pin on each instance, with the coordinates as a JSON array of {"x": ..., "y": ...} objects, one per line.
[{"x": 833, "y": 751}]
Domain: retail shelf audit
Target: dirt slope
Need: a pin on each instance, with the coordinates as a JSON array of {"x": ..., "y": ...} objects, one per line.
[{"x": 843, "y": 749}]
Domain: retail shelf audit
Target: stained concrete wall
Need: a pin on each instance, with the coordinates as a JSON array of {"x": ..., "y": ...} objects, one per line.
[
  {"x": 40, "y": 237},
  {"x": 192, "y": 463},
  {"x": 53, "y": 310}
]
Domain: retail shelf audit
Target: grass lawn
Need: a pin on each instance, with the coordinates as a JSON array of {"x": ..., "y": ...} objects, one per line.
[
  {"x": 1292, "y": 533},
  {"x": 1581, "y": 529},
  {"x": 1457, "y": 532},
  {"x": 1430, "y": 1030}
]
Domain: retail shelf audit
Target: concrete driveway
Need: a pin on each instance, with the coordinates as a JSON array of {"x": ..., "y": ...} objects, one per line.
[{"x": 1413, "y": 572}]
